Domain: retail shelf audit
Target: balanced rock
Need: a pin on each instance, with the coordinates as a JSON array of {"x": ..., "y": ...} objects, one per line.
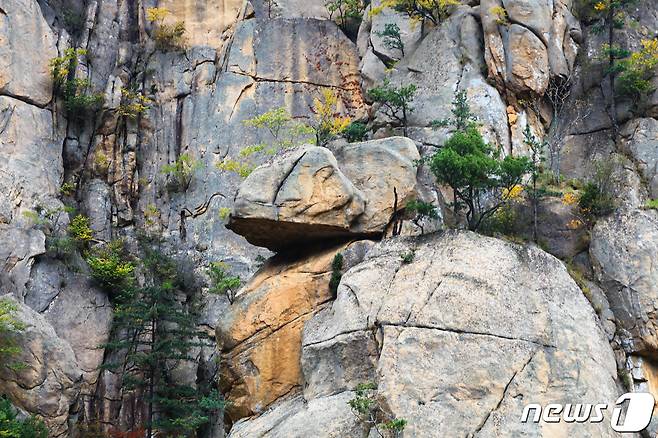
[{"x": 312, "y": 194}]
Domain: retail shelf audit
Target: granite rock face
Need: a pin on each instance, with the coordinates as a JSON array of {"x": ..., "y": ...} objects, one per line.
[
  {"x": 623, "y": 251},
  {"x": 49, "y": 383},
  {"x": 457, "y": 341},
  {"x": 311, "y": 194},
  {"x": 260, "y": 336}
]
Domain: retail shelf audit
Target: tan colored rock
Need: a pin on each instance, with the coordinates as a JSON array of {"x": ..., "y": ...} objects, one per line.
[
  {"x": 309, "y": 195},
  {"x": 260, "y": 335},
  {"x": 26, "y": 46},
  {"x": 527, "y": 61},
  {"x": 538, "y": 42},
  {"x": 205, "y": 21},
  {"x": 49, "y": 384}
]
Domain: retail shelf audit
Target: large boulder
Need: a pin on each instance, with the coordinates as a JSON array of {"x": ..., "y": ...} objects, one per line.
[
  {"x": 260, "y": 334},
  {"x": 311, "y": 194},
  {"x": 457, "y": 341},
  {"x": 48, "y": 382},
  {"x": 624, "y": 252}
]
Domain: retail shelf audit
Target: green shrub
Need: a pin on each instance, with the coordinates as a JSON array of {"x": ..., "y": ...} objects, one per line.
[
  {"x": 10, "y": 327},
  {"x": 346, "y": 13},
  {"x": 594, "y": 201},
  {"x": 418, "y": 10},
  {"x": 167, "y": 36},
  {"x": 336, "y": 274},
  {"x": 285, "y": 132},
  {"x": 597, "y": 195},
  {"x": 12, "y": 427},
  {"x": 79, "y": 102},
  {"x": 110, "y": 266},
  {"x": 67, "y": 189},
  {"x": 408, "y": 257},
  {"x": 636, "y": 72},
  {"x": 395, "y": 102},
  {"x": 80, "y": 229},
  {"x": 221, "y": 282},
  {"x": 421, "y": 210},
  {"x": 364, "y": 405},
  {"x": 651, "y": 204},
  {"x": 474, "y": 170},
  {"x": 355, "y": 132},
  {"x": 181, "y": 171}
]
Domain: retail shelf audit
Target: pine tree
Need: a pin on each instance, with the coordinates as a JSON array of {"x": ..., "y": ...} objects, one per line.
[{"x": 156, "y": 330}]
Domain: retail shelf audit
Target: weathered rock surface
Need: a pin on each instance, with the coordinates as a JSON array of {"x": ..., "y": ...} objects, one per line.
[
  {"x": 458, "y": 340},
  {"x": 49, "y": 384},
  {"x": 296, "y": 418},
  {"x": 309, "y": 195},
  {"x": 26, "y": 45},
  {"x": 80, "y": 314},
  {"x": 528, "y": 42},
  {"x": 260, "y": 334},
  {"x": 624, "y": 252},
  {"x": 642, "y": 144}
]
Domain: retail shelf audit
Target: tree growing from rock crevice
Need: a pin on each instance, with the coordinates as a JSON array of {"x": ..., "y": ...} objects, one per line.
[
  {"x": 392, "y": 38},
  {"x": 155, "y": 333},
  {"x": 395, "y": 102},
  {"x": 535, "y": 193},
  {"x": 480, "y": 180},
  {"x": 10, "y": 328},
  {"x": 610, "y": 16},
  {"x": 433, "y": 10}
]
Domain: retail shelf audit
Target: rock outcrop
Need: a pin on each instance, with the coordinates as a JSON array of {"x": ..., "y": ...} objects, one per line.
[
  {"x": 311, "y": 194},
  {"x": 48, "y": 381},
  {"x": 624, "y": 252},
  {"x": 260, "y": 335},
  {"x": 458, "y": 340}
]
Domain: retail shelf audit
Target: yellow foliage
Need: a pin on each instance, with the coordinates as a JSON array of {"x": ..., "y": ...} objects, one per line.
[
  {"x": 328, "y": 122},
  {"x": 156, "y": 14},
  {"x": 514, "y": 193},
  {"x": 241, "y": 168},
  {"x": 574, "y": 224},
  {"x": 501, "y": 15},
  {"x": 647, "y": 57},
  {"x": 570, "y": 198},
  {"x": 600, "y": 6}
]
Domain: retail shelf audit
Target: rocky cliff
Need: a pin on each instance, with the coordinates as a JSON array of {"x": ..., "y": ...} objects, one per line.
[{"x": 341, "y": 284}]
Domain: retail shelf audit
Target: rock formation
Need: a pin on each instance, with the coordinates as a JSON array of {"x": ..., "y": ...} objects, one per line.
[{"x": 458, "y": 331}]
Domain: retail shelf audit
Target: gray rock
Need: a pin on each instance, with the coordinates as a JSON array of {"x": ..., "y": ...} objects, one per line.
[
  {"x": 466, "y": 335},
  {"x": 642, "y": 144},
  {"x": 328, "y": 417},
  {"x": 624, "y": 249},
  {"x": 18, "y": 251},
  {"x": 26, "y": 45},
  {"x": 49, "y": 384}
]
